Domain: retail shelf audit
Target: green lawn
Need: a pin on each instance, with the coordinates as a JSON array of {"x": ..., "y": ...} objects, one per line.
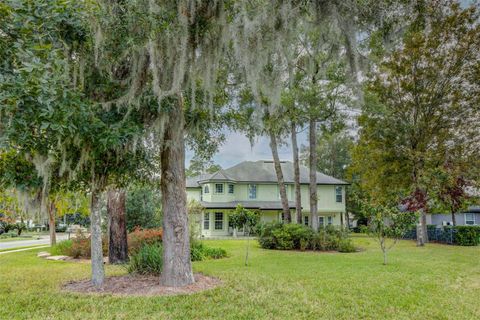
[
  {"x": 10, "y": 239},
  {"x": 435, "y": 282}
]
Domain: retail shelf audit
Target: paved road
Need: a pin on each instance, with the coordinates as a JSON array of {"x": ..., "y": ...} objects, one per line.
[{"x": 33, "y": 242}]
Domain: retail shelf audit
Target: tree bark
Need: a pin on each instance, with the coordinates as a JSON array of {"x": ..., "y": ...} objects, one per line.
[
  {"x": 51, "y": 222},
  {"x": 98, "y": 273},
  {"x": 296, "y": 173},
  {"x": 313, "y": 174},
  {"x": 117, "y": 237},
  {"x": 177, "y": 267},
  {"x": 279, "y": 173},
  {"x": 454, "y": 220}
]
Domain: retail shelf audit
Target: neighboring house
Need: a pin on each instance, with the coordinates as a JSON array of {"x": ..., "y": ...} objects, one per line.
[
  {"x": 254, "y": 186},
  {"x": 471, "y": 217}
]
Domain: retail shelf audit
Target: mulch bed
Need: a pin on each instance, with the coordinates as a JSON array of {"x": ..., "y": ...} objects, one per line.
[{"x": 141, "y": 285}]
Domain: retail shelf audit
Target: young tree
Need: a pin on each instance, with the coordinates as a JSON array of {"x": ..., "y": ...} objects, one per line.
[
  {"x": 387, "y": 224},
  {"x": 246, "y": 219}
]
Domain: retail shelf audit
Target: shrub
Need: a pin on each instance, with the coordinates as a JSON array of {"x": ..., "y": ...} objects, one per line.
[
  {"x": 139, "y": 237},
  {"x": 63, "y": 248},
  {"x": 346, "y": 245},
  {"x": 299, "y": 237},
  {"x": 199, "y": 252},
  {"x": 78, "y": 247},
  {"x": 467, "y": 235},
  {"x": 148, "y": 260}
]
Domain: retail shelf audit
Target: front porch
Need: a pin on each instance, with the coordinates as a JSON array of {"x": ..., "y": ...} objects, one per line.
[{"x": 214, "y": 223}]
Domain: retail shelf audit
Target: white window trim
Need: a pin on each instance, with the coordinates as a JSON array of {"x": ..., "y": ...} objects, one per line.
[
  {"x": 206, "y": 214},
  {"x": 341, "y": 193},
  {"x": 215, "y": 188},
  {"x": 473, "y": 219}
]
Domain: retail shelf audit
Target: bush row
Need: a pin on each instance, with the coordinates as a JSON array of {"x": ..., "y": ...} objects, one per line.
[
  {"x": 466, "y": 235},
  {"x": 456, "y": 235},
  {"x": 299, "y": 237}
]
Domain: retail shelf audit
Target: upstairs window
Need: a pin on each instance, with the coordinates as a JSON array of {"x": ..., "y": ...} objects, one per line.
[
  {"x": 218, "y": 220},
  {"x": 219, "y": 188},
  {"x": 252, "y": 191},
  {"x": 469, "y": 219},
  {"x": 338, "y": 194},
  {"x": 206, "y": 189},
  {"x": 231, "y": 188},
  {"x": 206, "y": 221}
]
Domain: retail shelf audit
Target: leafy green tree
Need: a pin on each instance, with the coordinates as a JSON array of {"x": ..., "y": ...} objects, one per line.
[
  {"x": 143, "y": 207},
  {"x": 423, "y": 99},
  {"x": 334, "y": 153},
  {"x": 201, "y": 166}
]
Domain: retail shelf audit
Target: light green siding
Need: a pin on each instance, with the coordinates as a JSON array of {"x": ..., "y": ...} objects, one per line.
[{"x": 327, "y": 204}]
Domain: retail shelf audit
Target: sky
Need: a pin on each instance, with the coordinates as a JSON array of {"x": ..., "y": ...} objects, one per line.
[{"x": 237, "y": 148}]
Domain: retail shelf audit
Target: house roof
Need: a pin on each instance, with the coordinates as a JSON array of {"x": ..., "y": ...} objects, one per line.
[
  {"x": 264, "y": 205},
  {"x": 261, "y": 171}
]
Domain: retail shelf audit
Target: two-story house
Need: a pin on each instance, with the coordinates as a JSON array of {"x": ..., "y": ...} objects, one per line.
[{"x": 254, "y": 186}]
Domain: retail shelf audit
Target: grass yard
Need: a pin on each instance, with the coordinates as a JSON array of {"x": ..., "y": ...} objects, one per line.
[{"x": 435, "y": 282}]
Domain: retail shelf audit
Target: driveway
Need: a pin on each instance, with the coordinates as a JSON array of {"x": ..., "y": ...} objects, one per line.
[{"x": 44, "y": 239}]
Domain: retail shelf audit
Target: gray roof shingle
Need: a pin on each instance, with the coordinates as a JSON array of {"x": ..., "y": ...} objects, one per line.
[{"x": 262, "y": 171}]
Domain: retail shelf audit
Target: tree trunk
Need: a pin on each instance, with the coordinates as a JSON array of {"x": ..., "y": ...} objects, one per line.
[
  {"x": 454, "y": 220},
  {"x": 296, "y": 173},
  {"x": 177, "y": 267},
  {"x": 117, "y": 236},
  {"x": 313, "y": 174},
  {"x": 51, "y": 222},
  {"x": 98, "y": 274},
  {"x": 278, "y": 171}
]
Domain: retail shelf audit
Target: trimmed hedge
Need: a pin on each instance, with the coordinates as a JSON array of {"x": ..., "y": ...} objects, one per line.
[
  {"x": 467, "y": 235},
  {"x": 299, "y": 237}
]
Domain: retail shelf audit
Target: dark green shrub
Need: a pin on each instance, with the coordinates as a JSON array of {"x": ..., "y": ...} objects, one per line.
[
  {"x": 346, "y": 245},
  {"x": 216, "y": 253},
  {"x": 148, "y": 260},
  {"x": 299, "y": 237},
  {"x": 63, "y": 248},
  {"x": 199, "y": 252},
  {"x": 467, "y": 235}
]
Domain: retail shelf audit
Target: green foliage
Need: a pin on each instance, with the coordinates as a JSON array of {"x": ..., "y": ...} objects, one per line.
[
  {"x": 387, "y": 223},
  {"x": 242, "y": 217},
  {"x": 62, "y": 248},
  {"x": 467, "y": 235},
  {"x": 143, "y": 208},
  {"x": 148, "y": 260},
  {"x": 200, "y": 166},
  {"x": 199, "y": 252},
  {"x": 299, "y": 237}
]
